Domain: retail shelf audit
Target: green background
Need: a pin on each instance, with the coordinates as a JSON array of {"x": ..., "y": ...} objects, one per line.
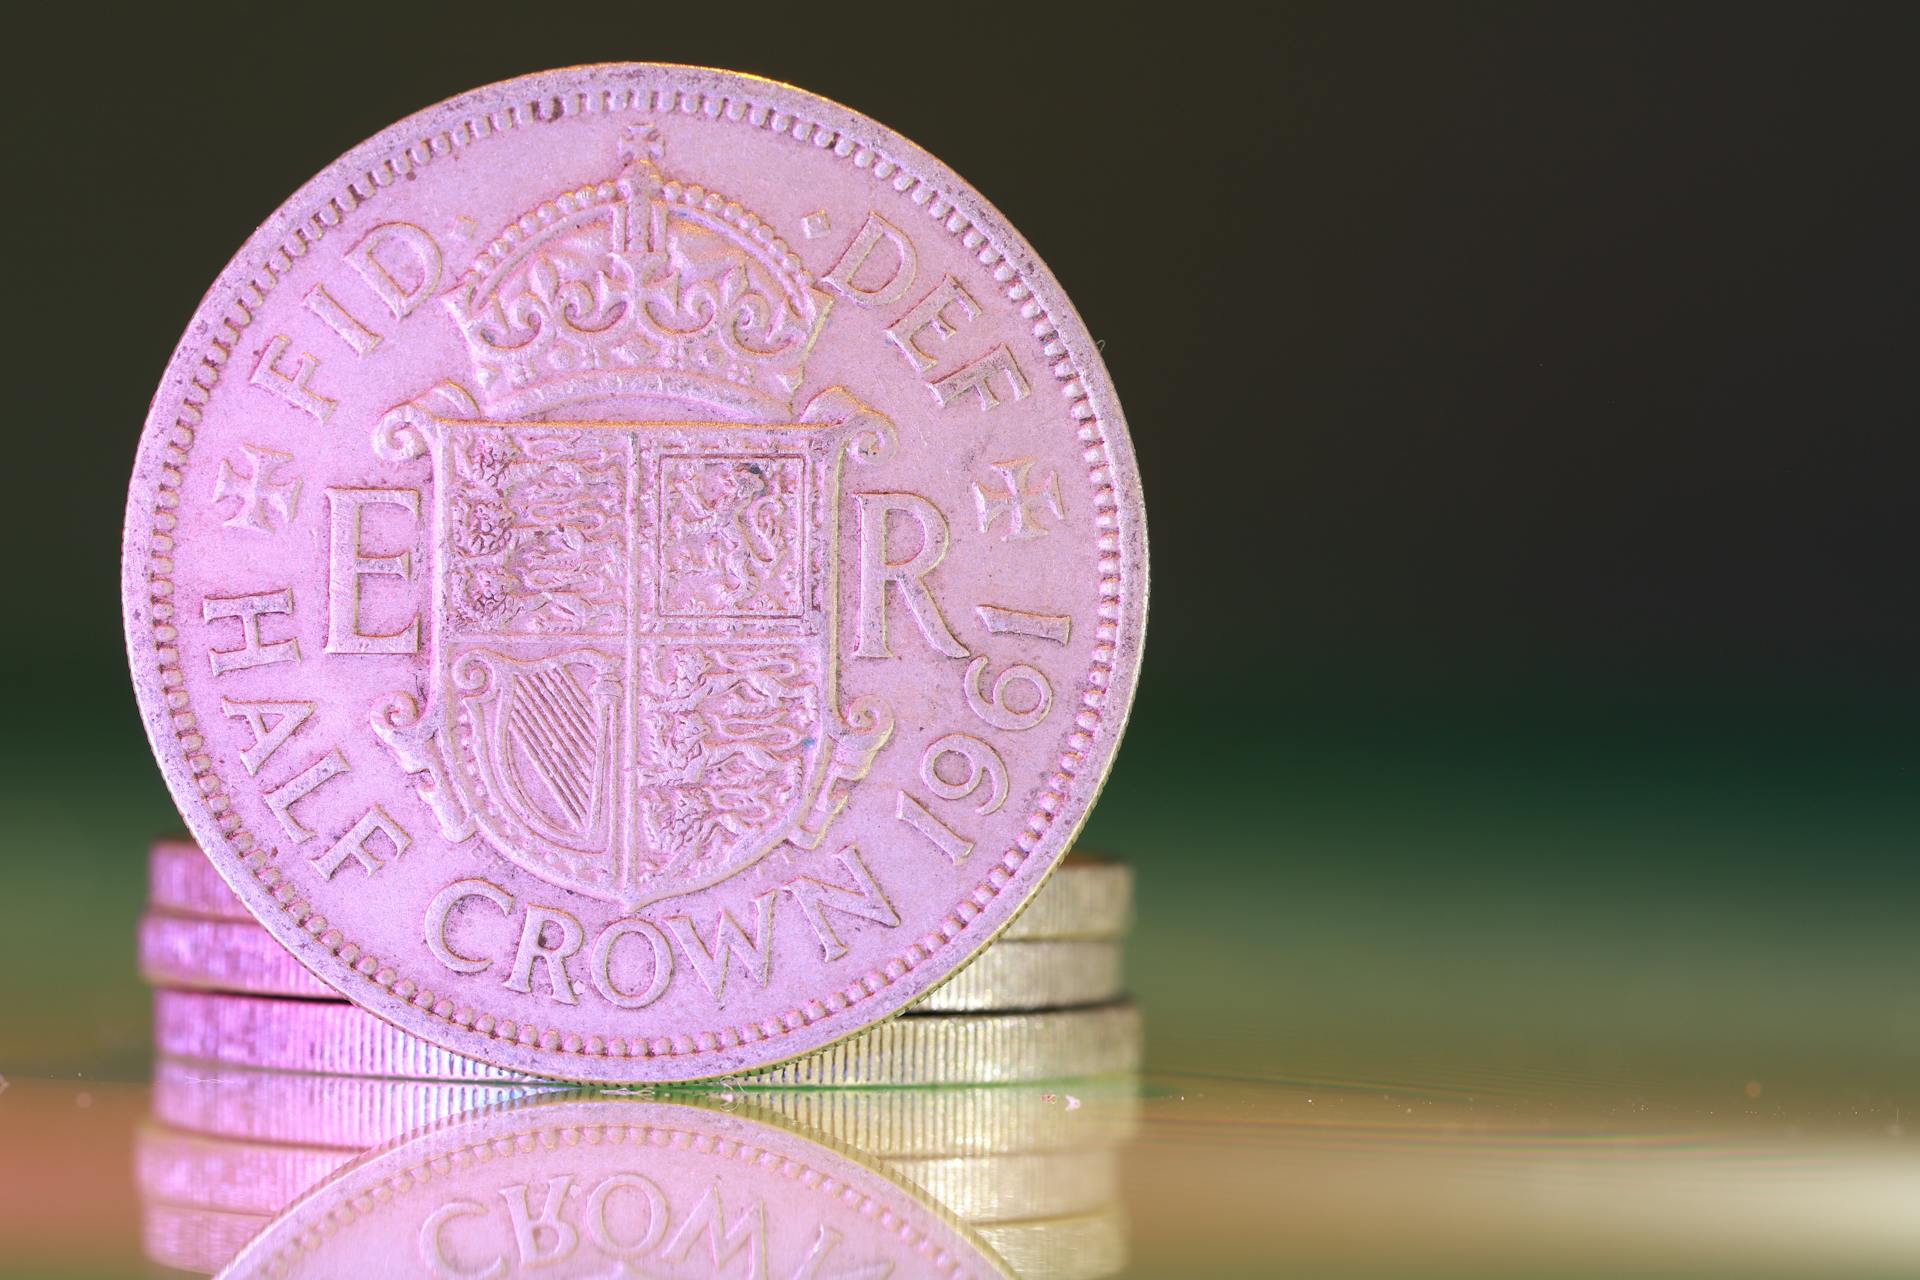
[{"x": 1524, "y": 406}]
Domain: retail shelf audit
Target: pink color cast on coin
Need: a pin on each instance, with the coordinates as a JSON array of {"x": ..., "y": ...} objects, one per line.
[
  {"x": 635, "y": 574},
  {"x": 630, "y": 1187}
]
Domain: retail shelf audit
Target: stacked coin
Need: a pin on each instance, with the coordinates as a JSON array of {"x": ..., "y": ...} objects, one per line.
[
  {"x": 269, "y": 1084},
  {"x": 1042, "y": 1003},
  {"x": 1021, "y": 1181}
]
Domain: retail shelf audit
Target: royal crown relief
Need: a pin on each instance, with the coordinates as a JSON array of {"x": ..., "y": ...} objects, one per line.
[{"x": 635, "y": 589}]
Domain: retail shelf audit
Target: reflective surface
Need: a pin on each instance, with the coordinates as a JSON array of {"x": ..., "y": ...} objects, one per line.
[{"x": 1471, "y": 1173}]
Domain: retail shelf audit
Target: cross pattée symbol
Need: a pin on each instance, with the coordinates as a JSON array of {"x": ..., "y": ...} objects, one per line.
[
  {"x": 1019, "y": 503},
  {"x": 261, "y": 492}
]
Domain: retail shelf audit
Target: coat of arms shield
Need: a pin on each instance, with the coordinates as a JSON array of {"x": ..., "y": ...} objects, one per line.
[{"x": 634, "y": 687}]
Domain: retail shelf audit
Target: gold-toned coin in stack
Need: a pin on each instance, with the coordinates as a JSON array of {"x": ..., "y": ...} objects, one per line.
[{"x": 275, "y": 1101}]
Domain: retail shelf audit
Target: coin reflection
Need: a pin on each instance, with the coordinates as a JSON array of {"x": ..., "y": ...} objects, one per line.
[{"x": 248, "y": 1172}]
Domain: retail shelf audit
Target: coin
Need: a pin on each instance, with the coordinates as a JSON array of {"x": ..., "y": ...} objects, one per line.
[
  {"x": 1082, "y": 1247},
  {"x": 1014, "y": 976},
  {"x": 222, "y": 955},
  {"x": 1085, "y": 1247},
  {"x": 353, "y": 1113},
  {"x": 240, "y": 956},
  {"x": 1088, "y": 896},
  {"x": 334, "y": 1037},
  {"x": 959, "y": 1121},
  {"x": 181, "y": 880},
  {"x": 360, "y": 1112},
  {"x": 195, "y": 1238},
  {"x": 635, "y": 573},
  {"x": 264, "y": 1177},
  {"x": 612, "y": 1185},
  {"x": 979, "y": 1048},
  {"x": 1018, "y": 1186},
  {"x": 218, "y": 1173}
]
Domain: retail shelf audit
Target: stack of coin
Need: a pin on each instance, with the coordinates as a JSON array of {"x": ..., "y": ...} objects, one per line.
[
  {"x": 269, "y": 1084},
  {"x": 1044, "y": 1002}
]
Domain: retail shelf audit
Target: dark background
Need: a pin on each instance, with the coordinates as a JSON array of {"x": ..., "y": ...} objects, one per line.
[{"x": 1525, "y": 399}]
